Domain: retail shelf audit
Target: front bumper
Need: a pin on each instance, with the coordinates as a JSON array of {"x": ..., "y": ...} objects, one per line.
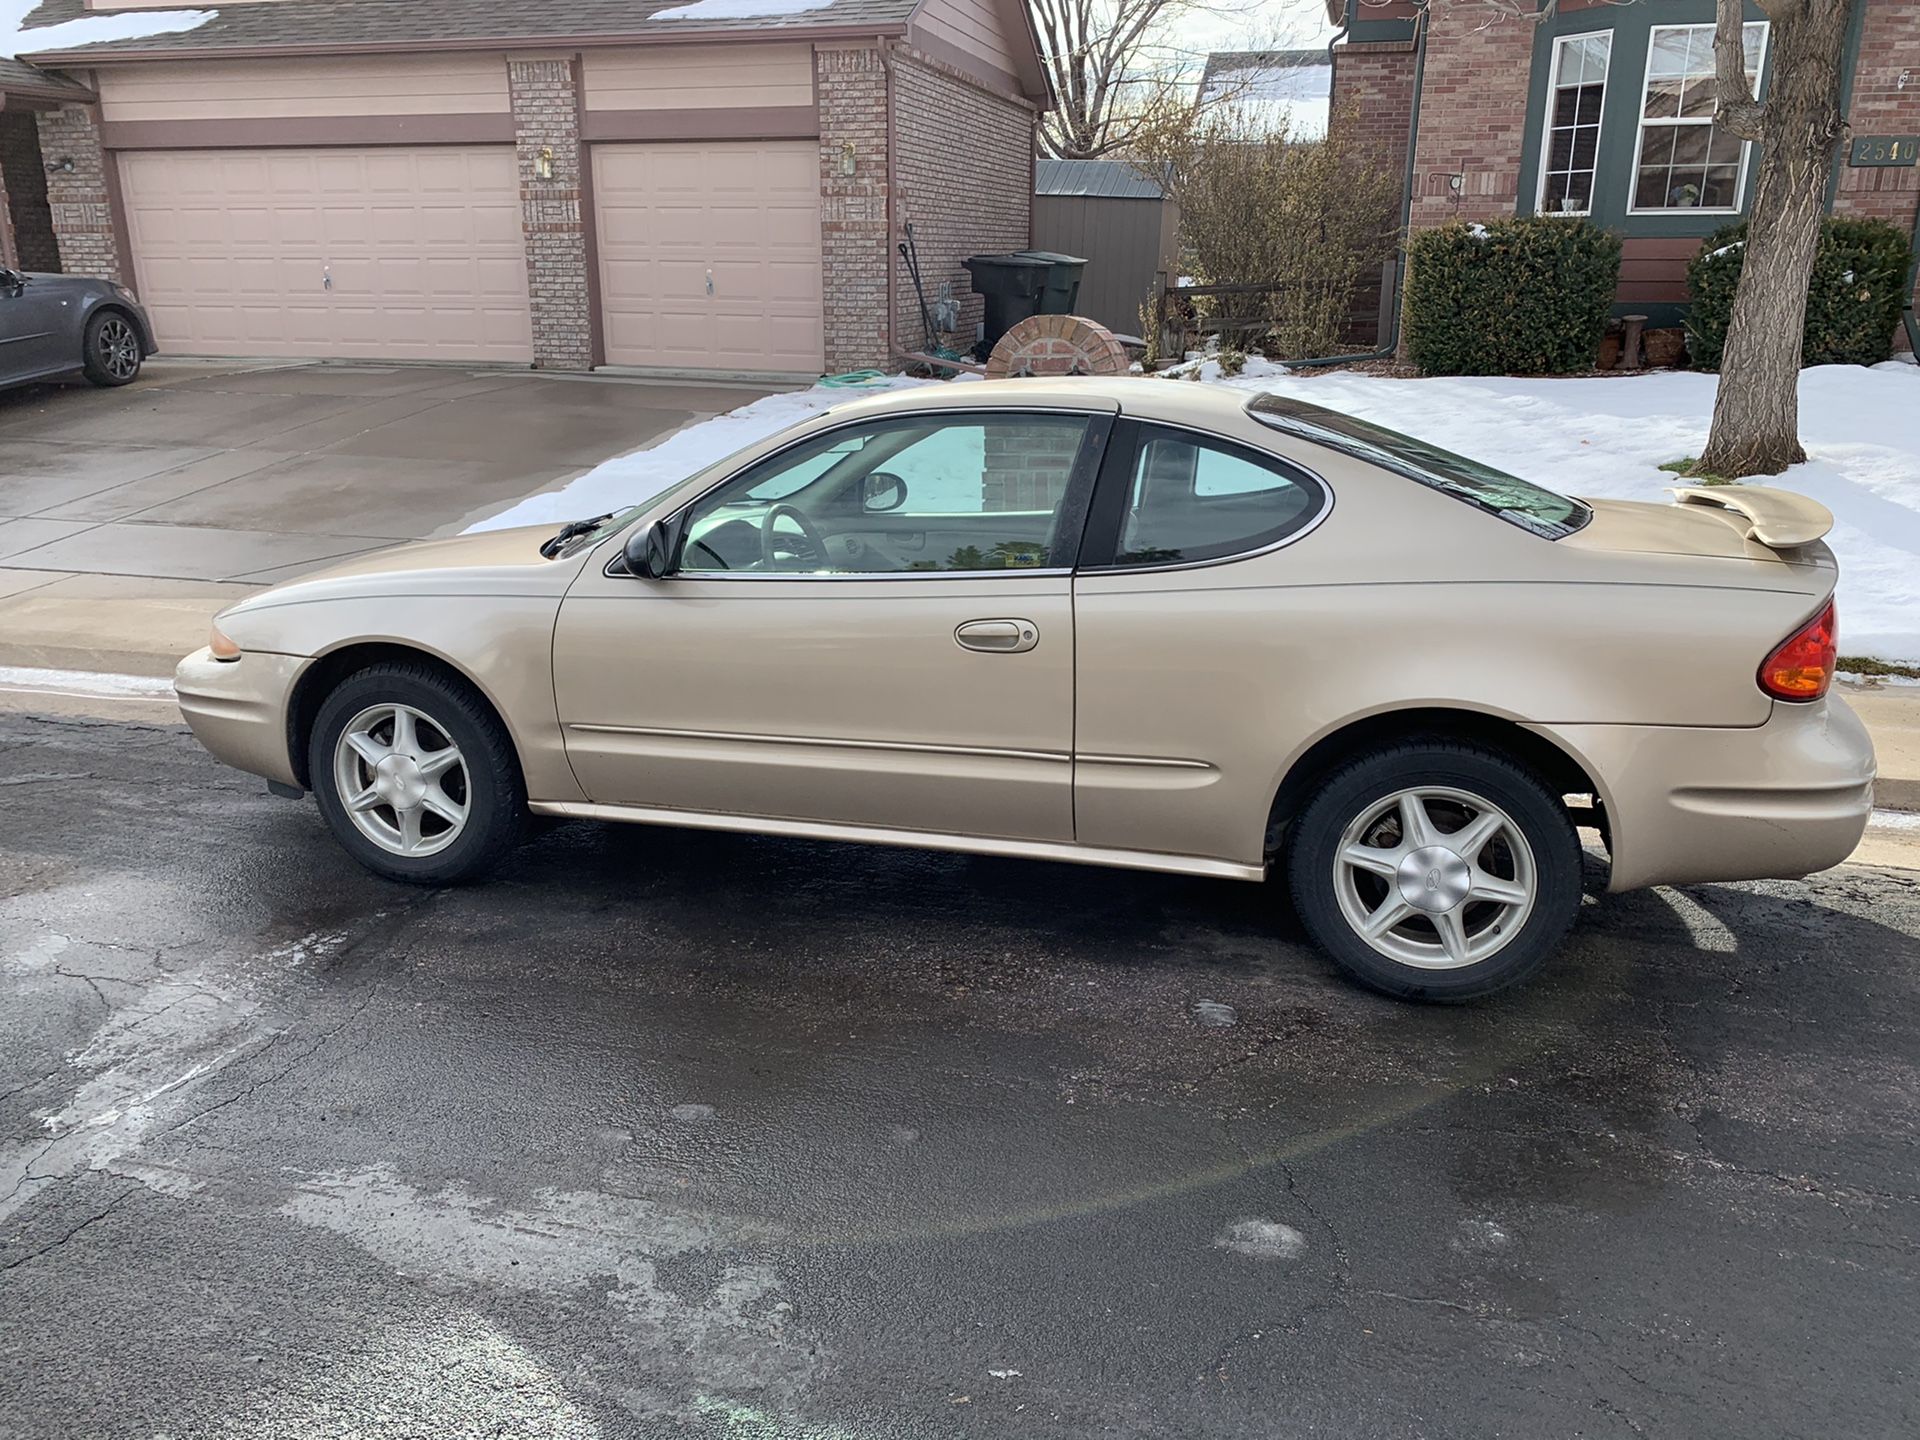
[
  {"x": 238, "y": 708},
  {"x": 1774, "y": 801}
]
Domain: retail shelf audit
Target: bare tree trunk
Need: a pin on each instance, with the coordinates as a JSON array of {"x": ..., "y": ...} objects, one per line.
[{"x": 1756, "y": 416}]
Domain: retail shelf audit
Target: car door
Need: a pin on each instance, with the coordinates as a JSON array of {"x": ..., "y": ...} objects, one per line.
[
  {"x": 873, "y": 627},
  {"x": 1185, "y": 632},
  {"x": 32, "y": 332}
]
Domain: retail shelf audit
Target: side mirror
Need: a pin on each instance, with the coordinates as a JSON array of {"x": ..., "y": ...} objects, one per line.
[
  {"x": 649, "y": 551},
  {"x": 882, "y": 491}
]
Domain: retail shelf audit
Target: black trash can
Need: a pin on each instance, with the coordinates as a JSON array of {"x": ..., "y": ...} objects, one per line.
[
  {"x": 1013, "y": 286},
  {"x": 1063, "y": 280}
]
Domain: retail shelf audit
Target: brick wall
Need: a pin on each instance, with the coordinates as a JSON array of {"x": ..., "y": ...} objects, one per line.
[
  {"x": 25, "y": 183},
  {"x": 965, "y": 174},
  {"x": 1473, "y": 116},
  {"x": 78, "y": 200},
  {"x": 851, "y": 85},
  {"x": 560, "y": 278},
  {"x": 1889, "y": 49},
  {"x": 1373, "y": 100}
]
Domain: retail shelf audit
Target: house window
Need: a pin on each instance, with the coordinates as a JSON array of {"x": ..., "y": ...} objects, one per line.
[
  {"x": 1573, "y": 123},
  {"x": 1685, "y": 161}
]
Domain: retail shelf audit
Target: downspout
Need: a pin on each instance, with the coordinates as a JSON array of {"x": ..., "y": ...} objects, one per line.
[
  {"x": 1913, "y": 278},
  {"x": 1390, "y": 345}
]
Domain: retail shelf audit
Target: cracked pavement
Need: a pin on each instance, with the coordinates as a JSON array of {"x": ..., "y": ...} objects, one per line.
[{"x": 677, "y": 1134}]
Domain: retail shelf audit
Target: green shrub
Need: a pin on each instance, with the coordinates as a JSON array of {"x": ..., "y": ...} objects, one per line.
[
  {"x": 1853, "y": 302},
  {"x": 1529, "y": 296}
]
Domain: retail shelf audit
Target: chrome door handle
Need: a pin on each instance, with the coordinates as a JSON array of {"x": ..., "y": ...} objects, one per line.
[{"x": 998, "y": 637}]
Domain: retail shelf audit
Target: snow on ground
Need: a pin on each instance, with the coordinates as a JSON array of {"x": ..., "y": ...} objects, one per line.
[
  {"x": 739, "y": 9},
  {"x": 132, "y": 25},
  {"x": 629, "y": 479},
  {"x": 1606, "y": 437},
  {"x": 1603, "y": 437}
]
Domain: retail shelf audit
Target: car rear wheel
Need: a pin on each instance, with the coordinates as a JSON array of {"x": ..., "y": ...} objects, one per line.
[
  {"x": 416, "y": 776},
  {"x": 110, "y": 350},
  {"x": 1435, "y": 870}
]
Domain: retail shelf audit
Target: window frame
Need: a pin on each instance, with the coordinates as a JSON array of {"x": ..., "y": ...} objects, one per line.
[
  {"x": 1106, "y": 517},
  {"x": 1640, "y": 124},
  {"x": 1547, "y": 126},
  {"x": 1071, "y": 525}
]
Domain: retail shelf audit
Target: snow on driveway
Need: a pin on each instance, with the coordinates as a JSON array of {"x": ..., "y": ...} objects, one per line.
[{"x": 1603, "y": 436}]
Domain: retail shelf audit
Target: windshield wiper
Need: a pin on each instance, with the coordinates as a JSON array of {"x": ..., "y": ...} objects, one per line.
[{"x": 573, "y": 530}]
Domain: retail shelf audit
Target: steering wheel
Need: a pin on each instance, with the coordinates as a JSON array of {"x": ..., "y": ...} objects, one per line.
[{"x": 768, "y": 540}]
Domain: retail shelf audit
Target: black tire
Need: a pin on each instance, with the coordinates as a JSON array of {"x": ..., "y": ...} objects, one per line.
[
  {"x": 1314, "y": 840},
  {"x": 495, "y": 792},
  {"x": 110, "y": 349}
]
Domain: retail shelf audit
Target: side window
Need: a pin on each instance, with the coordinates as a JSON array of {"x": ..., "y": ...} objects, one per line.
[
  {"x": 1192, "y": 500},
  {"x": 952, "y": 492}
]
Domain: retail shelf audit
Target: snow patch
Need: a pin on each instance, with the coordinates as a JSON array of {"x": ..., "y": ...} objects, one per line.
[
  {"x": 739, "y": 9},
  {"x": 89, "y": 683},
  {"x": 92, "y": 30},
  {"x": 1262, "y": 1240},
  {"x": 638, "y": 476}
]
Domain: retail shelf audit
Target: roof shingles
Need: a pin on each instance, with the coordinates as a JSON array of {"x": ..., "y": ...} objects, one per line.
[{"x": 354, "y": 24}]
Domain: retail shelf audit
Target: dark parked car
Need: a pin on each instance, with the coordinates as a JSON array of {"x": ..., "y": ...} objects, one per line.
[{"x": 52, "y": 325}]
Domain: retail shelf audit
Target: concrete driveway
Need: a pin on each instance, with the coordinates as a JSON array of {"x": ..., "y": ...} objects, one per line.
[{"x": 204, "y": 480}]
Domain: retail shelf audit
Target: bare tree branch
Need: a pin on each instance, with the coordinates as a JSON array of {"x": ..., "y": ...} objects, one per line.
[{"x": 1736, "y": 108}]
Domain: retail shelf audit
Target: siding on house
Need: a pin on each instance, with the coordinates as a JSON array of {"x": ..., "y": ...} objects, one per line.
[
  {"x": 698, "y": 77},
  {"x": 978, "y": 27},
  {"x": 452, "y": 84}
]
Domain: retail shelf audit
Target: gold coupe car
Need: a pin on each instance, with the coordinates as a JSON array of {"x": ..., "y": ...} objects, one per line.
[{"x": 1125, "y": 622}]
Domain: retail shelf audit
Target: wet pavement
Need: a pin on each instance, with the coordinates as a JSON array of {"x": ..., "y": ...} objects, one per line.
[{"x": 680, "y": 1134}]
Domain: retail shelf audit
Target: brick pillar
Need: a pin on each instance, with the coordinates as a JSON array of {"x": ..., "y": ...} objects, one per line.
[
  {"x": 556, "y": 212},
  {"x": 1473, "y": 116},
  {"x": 856, "y": 259},
  {"x": 81, "y": 200}
]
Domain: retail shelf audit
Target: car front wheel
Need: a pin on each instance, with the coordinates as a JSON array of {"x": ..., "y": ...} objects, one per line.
[
  {"x": 416, "y": 776},
  {"x": 1435, "y": 870},
  {"x": 111, "y": 349}
]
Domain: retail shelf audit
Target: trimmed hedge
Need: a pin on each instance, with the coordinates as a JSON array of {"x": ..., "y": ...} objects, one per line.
[
  {"x": 1528, "y": 296},
  {"x": 1853, "y": 303}
]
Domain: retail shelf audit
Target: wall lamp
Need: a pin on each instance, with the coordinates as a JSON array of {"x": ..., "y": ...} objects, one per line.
[{"x": 62, "y": 166}]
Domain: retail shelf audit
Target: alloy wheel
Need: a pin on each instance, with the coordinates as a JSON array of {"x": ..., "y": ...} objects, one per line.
[
  {"x": 1435, "y": 878},
  {"x": 402, "y": 780},
  {"x": 119, "y": 349}
]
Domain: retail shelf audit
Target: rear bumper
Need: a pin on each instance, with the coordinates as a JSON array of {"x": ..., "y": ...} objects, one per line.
[
  {"x": 1775, "y": 801},
  {"x": 238, "y": 708}
]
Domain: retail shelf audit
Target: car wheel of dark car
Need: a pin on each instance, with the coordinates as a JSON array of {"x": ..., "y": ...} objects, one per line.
[{"x": 111, "y": 349}]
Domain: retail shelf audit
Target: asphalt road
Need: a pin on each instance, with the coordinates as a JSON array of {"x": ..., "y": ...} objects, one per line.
[{"x": 671, "y": 1134}]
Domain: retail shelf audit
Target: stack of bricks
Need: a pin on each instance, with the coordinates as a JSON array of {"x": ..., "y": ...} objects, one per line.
[
  {"x": 851, "y": 85},
  {"x": 1473, "y": 115},
  {"x": 78, "y": 199},
  {"x": 964, "y": 169},
  {"x": 546, "y": 121},
  {"x": 1056, "y": 345}
]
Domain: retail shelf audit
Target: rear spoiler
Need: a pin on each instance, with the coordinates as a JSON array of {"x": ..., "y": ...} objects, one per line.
[{"x": 1778, "y": 519}]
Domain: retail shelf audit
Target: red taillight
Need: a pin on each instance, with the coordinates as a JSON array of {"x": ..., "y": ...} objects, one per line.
[{"x": 1802, "y": 668}]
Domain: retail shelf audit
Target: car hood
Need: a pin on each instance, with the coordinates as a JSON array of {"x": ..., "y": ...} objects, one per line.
[
  {"x": 66, "y": 284},
  {"x": 491, "y": 563}
]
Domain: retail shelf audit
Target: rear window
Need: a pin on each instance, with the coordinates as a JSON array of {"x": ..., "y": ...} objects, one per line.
[{"x": 1531, "y": 507}]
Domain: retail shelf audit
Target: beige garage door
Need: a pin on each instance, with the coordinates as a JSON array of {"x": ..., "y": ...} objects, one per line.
[
  {"x": 710, "y": 254},
  {"x": 393, "y": 253}
]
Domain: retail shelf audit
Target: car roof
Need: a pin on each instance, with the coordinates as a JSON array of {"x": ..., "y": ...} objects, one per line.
[{"x": 1080, "y": 392}]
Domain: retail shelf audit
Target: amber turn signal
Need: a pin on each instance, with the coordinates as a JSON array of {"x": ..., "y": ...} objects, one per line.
[
  {"x": 220, "y": 647},
  {"x": 1802, "y": 667}
]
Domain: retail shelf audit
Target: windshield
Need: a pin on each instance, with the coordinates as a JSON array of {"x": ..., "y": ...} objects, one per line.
[{"x": 1530, "y": 506}]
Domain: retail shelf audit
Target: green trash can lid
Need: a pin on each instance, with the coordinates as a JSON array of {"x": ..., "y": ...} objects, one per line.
[
  {"x": 1051, "y": 257},
  {"x": 1011, "y": 262}
]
